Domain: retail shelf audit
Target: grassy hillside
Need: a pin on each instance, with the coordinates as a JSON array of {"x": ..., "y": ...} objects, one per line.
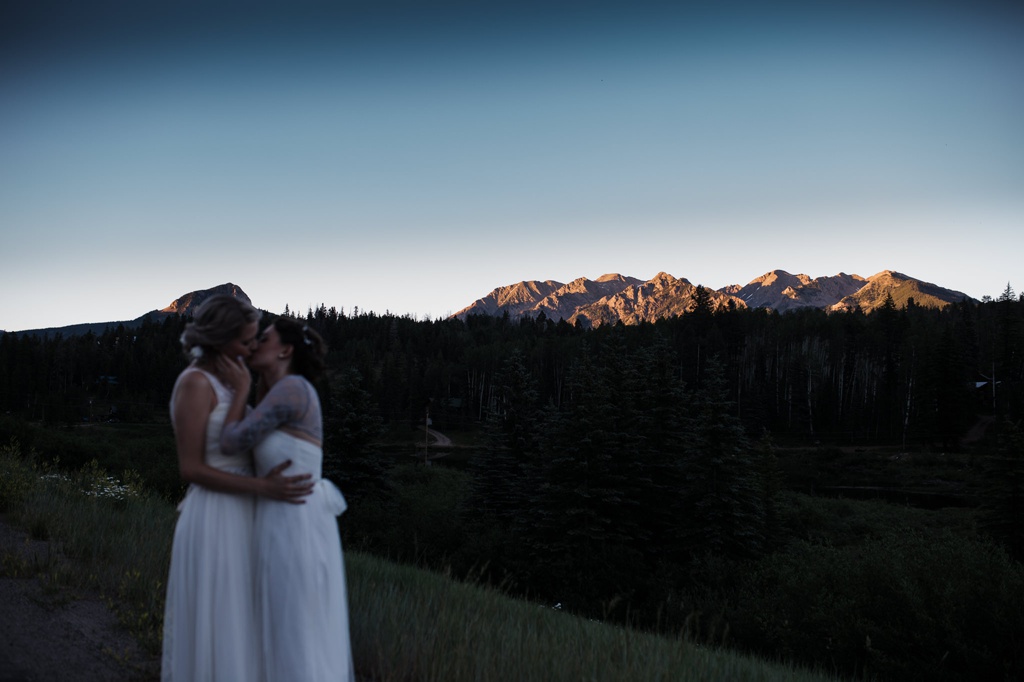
[
  {"x": 407, "y": 624},
  {"x": 410, "y": 624}
]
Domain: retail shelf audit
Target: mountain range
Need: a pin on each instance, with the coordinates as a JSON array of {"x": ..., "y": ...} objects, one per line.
[{"x": 612, "y": 298}]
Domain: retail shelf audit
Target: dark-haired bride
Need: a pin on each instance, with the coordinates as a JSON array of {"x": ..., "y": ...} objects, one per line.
[{"x": 301, "y": 599}]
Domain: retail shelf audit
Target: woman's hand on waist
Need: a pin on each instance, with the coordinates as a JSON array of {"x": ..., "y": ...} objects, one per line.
[{"x": 293, "y": 489}]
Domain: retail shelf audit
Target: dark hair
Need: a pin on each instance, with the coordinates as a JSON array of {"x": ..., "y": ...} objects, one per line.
[
  {"x": 308, "y": 347},
  {"x": 219, "y": 320}
]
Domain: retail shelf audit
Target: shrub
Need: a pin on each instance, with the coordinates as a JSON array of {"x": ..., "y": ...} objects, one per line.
[
  {"x": 17, "y": 477},
  {"x": 427, "y": 526},
  {"x": 900, "y": 606}
]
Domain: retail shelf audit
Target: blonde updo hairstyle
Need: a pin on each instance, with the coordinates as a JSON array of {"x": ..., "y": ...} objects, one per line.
[{"x": 217, "y": 321}]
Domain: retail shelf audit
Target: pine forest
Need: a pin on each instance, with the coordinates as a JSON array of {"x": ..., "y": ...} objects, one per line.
[{"x": 840, "y": 490}]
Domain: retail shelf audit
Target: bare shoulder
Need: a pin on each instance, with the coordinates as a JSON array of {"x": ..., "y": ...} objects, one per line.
[
  {"x": 193, "y": 380},
  {"x": 192, "y": 387}
]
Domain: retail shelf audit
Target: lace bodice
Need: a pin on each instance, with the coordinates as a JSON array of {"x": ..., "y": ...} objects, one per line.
[{"x": 292, "y": 402}]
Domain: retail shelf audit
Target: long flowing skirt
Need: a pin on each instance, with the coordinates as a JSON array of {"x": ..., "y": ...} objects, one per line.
[
  {"x": 300, "y": 575},
  {"x": 210, "y": 632}
]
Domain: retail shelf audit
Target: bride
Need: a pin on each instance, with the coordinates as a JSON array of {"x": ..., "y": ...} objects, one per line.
[
  {"x": 301, "y": 600},
  {"x": 208, "y": 615}
]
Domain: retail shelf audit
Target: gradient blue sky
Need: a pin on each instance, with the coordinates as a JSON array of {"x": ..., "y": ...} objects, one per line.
[{"x": 412, "y": 157}]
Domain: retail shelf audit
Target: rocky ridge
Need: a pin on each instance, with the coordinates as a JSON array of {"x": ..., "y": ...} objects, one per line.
[
  {"x": 614, "y": 297},
  {"x": 185, "y": 305},
  {"x": 902, "y": 288},
  {"x": 782, "y": 291},
  {"x": 661, "y": 296}
]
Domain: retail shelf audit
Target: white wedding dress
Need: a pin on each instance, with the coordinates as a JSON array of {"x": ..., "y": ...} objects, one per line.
[
  {"x": 300, "y": 576},
  {"x": 209, "y": 615},
  {"x": 301, "y": 599}
]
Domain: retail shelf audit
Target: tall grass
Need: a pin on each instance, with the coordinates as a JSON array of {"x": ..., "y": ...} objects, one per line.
[
  {"x": 406, "y": 624},
  {"x": 117, "y": 535},
  {"x": 410, "y": 624}
]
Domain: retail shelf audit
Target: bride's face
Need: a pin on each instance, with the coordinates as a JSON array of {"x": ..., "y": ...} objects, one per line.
[
  {"x": 244, "y": 344},
  {"x": 270, "y": 350}
]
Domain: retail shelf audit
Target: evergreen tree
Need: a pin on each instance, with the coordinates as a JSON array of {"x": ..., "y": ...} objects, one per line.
[
  {"x": 1003, "y": 499},
  {"x": 1009, "y": 357},
  {"x": 658, "y": 405},
  {"x": 352, "y": 459},
  {"x": 721, "y": 505},
  {"x": 701, "y": 305},
  {"x": 890, "y": 325},
  {"x": 948, "y": 381},
  {"x": 769, "y": 484},
  {"x": 502, "y": 475},
  {"x": 577, "y": 532}
]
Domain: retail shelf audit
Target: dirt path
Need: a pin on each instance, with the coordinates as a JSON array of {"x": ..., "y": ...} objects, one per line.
[
  {"x": 440, "y": 440},
  {"x": 439, "y": 446},
  {"x": 52, "y": 633}
]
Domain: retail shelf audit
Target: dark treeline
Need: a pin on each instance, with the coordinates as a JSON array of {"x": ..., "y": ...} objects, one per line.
[
  {"x": 657, "y": 474},
  {"x": 896, "y": 376}
]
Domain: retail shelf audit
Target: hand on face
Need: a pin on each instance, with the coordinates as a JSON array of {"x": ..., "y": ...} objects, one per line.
[{"x": 234, "y": 373}]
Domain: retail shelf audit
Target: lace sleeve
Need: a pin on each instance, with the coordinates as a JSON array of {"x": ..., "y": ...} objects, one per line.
[{"x": 286, "y": 404}]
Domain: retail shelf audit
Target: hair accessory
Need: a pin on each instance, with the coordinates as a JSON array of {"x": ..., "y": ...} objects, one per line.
[
  {"x": 305, "y": 335},
  {"x": 195, "y": 352}
]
